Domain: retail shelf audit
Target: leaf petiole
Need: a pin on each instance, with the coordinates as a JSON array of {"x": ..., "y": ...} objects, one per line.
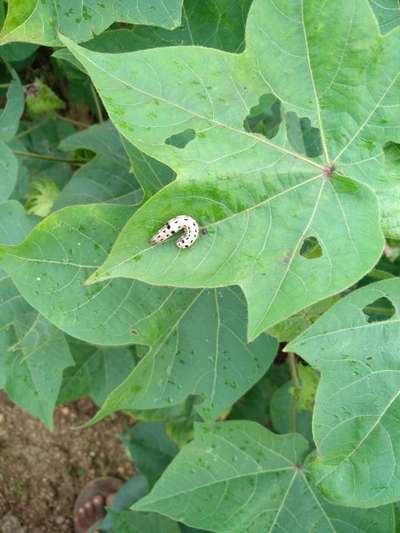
[
  {"x": 295, "y": 377},
  {"x": 44, "y": 157}
]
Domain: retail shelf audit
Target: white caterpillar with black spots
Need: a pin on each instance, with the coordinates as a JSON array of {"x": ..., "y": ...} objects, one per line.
[{"x": 185, "y": 222}]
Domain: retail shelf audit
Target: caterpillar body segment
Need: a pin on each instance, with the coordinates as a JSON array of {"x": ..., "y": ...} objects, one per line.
[{"x": 182, "y": 222}]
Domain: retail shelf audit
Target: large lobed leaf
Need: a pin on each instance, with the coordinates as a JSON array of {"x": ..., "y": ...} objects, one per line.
[
  {"x": 9, "y": 123},
  {"x": 355, "y": 345},
  {"x": 33, "y": 352},
  {"x": 11, "y": 114},
  {"x": 150, "y": 448},
  {"x": 239, "y": 477},
  {"x": 39, "y": 21},
  {"x": 197, "y": 338},
  {"x": 212, "y": 23},
  {"x": 201, "y": 111},
  {"x": 97, "y": 371},
  {"x": 55, "y": 261},
  {"x": 204, "y": 354}
]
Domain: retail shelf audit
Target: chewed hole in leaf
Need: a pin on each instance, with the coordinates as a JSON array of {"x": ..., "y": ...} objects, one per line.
[
  {"x": 392, "y": 153},
  {"x": 180, "y": 140},
  {"x": 304, "y": 138},
  {"x": 311, "y": 249},
  {"x": 85, "y": 154},
  {"x": 264, "y": 118},
  {"x": 379, "y": 310}
]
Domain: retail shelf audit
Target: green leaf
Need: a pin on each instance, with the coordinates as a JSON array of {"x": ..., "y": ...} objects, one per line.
[
  {"x": 387, "y": 12},
  {"x": 9, "y": 123},
  {"x": 97, "y": 371},
  {"x": 150, "y": 173},
  {"x": 150, "y": 448},
  {"x": 205, "y": 354},
  {"x": 17, "y": 52},
  {"x": 247, "y": 188},
  {"x": 35, "y": 21},
  {"x": 187, "y": 529},
  {"x": 201, "y": 25},
  {"x": 33, "y": 353},
  {"x": 57, "y": 258},
  {"x": 80, "y": 88},
  {"x": 44, "y": 136},
  {"x": 292, "y": 327},
  {"x": 41, "y": 137},
  {"x": 238, "y": 476},
  {"x": 106, "y": 177},
  {"x": 213, "y": 23},
  {"x": 355, "y": 347},
  {"x": 131, "y": 522},
  {"x": 14, "y": 222},
  {"x": 202, "y": 330},
  {"x": 389, "y": 196},
  {"x": 255, "y": 405},
  {"x": 11, "y": 114},
  {"x": 239, "y": 249},
  {"x": 8, "y": 171}
]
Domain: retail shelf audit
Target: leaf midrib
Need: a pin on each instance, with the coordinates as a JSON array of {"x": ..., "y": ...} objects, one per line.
[
  {"x": 364, "y": 438},
  {"x": 257, "y": 137},
  {"x": 151, "y": 354},
  {"x": 226, "y": 480},
  {"x": 383, "y": 323},
  {"x": 314, "y": 88},
  {"x": 292, "y": 258},
  {"x": 213, "y": 224}
]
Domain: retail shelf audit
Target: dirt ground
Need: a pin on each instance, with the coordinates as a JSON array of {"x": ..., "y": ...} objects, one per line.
[{"x": 41, "y": 473}]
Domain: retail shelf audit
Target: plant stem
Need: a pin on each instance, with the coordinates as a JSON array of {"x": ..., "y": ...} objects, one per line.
[
  {"x": 32, "y": 128},
  {"x": 294, "y": 374},
  {"x": 72, "y": 121},
  {"x": 4, "y": 85},
  {"x": 97, "y": 104},
  {"x": 44, "y": 157}
]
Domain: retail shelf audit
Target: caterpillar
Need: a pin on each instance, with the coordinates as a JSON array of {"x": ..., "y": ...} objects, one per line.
[{"x": 190, "y": 231}]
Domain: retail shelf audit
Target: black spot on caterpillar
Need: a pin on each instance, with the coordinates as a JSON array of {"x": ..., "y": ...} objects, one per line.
[{"x": 185, "y": 222}]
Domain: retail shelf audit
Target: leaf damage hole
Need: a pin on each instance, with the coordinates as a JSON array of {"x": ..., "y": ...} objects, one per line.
[
  {"x": 391, "y": 151},
  {"x": 182, "y": 139},
  {"x": 379, "y": 310},
  {"x": 304, "y": 138},
  {"x": 264, "y": 118},
  {"x": 311, "y": 249}
]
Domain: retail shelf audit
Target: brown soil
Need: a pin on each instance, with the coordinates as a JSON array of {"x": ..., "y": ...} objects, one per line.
[{"x": 41, "y": 473}]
